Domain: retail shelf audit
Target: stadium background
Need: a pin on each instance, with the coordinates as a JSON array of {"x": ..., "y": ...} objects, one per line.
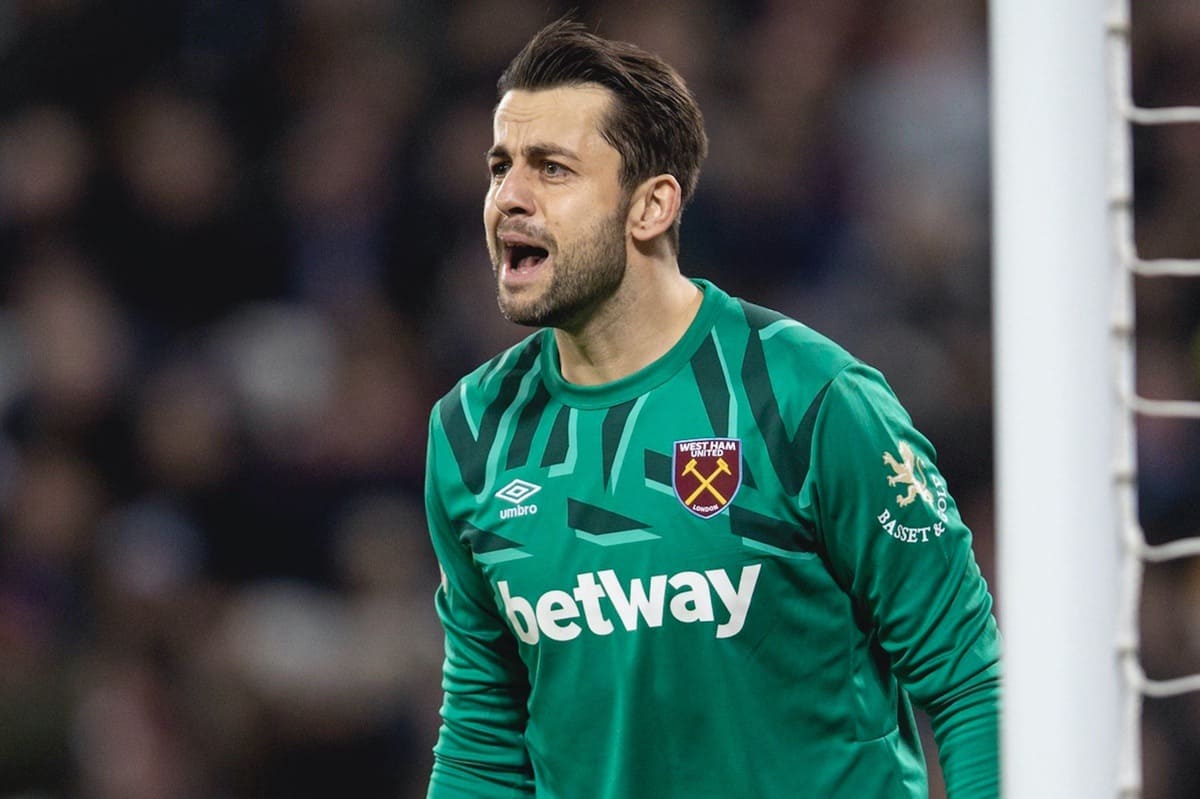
[{"x": 241, "y": 254}]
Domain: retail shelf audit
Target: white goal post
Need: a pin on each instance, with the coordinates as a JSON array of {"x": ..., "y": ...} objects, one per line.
[
  {"x": 1072, "y": 551},
  {"x": 1058, "y": 552}
]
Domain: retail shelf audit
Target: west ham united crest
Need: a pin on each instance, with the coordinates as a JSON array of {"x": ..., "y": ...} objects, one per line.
[{"x": 707, "y": 473}]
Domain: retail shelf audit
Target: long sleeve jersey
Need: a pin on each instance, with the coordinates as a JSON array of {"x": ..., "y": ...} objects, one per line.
[{"x": 731, "y": 573}]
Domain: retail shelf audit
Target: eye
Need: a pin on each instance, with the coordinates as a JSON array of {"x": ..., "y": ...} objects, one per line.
[
  {"x": 552, "y": 169},
  {"x": 498, "y": 169}
]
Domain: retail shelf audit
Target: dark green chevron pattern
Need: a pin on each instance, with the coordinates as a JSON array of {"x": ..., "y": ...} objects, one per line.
[
  {"x": 789, "y": 454},
  {"x": 595, "y": 520},
  {"x": 471, "y": 451}
]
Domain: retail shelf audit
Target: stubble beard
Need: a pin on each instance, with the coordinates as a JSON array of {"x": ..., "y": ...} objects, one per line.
[{"x": 583, "y": 277}]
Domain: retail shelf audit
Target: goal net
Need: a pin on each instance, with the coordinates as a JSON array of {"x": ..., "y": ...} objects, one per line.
[
  {"x": 1073, "y": 554},
  {"x": 1132, "y": 406}
]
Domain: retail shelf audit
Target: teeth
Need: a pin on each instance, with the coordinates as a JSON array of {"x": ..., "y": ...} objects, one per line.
[{"x": 527, "y": 257}]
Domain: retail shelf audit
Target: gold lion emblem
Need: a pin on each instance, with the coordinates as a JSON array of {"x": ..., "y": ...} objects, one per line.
[{"x": 909, "y": 471}]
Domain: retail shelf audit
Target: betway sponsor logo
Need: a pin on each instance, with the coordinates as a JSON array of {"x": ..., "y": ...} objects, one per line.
[{"x": 600, "y": 601}]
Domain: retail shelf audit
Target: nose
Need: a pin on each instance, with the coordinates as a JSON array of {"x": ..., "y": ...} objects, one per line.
[{"x": 513, "y": 195}]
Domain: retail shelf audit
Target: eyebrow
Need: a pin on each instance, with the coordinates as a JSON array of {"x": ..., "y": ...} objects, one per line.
[{"x": 534, "y": 152}]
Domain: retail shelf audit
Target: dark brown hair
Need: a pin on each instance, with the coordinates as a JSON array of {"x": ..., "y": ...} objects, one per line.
[{"x": 655, "y": 123}]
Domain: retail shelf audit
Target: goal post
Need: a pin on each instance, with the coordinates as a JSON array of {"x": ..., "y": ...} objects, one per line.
[{"x": 1058, "y": 547}]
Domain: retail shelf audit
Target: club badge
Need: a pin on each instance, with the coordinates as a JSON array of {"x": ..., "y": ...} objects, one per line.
[{"x": 707, "y": 473}]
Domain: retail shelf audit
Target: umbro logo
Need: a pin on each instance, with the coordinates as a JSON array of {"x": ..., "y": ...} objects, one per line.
[{"x": 517, "y": 492}]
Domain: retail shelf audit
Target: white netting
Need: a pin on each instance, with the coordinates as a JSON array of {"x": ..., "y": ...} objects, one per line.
[{"x": 1137, "y": 552}]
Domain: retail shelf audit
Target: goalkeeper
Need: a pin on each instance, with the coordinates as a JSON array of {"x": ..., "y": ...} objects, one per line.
[{"x": 690, "y": 548}]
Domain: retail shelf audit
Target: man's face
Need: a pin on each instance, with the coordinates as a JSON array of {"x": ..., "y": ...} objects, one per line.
[{"x": 555, "y": 210}]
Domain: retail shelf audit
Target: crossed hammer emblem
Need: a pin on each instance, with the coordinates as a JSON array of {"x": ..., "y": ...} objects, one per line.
[{"x": 706, "y": 483}]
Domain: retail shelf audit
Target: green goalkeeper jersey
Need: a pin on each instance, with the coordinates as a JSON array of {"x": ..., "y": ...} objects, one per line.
[{"x": 729, "y": 574}]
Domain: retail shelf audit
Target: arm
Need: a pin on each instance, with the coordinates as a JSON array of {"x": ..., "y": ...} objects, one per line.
[
  {"x": 480, "y": 751},
  {"x": 910, "y": 566}
]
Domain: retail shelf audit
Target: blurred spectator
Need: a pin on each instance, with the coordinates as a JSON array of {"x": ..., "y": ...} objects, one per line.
[
  {"x": 46, "y": 157},
  {"x": 182, "y": 232}
]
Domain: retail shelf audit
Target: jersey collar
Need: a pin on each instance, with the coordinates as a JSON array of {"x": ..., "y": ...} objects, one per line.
[{"x": 645, "y": 379}]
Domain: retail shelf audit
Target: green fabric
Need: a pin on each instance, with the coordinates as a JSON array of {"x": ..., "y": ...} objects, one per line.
[{"x": 753, "y": 614}]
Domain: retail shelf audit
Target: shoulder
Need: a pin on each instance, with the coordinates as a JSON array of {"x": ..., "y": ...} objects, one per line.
[
  {"x": 790, "y": 350},
  {"x": 479, "y": 387}
]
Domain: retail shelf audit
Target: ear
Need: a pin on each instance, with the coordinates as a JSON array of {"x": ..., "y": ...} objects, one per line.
[{"x": 654, "y": 207}]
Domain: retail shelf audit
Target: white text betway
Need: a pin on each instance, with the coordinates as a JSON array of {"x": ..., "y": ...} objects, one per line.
[{"x": 687, "y": 596}]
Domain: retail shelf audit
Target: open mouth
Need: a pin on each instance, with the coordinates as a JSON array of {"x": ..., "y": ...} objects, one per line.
[{"x": 523, "y": 257}]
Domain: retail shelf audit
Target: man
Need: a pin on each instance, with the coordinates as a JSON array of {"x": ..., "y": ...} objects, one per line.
[{"x": 690, "y": 548}]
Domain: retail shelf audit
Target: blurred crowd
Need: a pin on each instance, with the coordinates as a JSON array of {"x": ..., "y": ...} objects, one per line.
[{"x": 241, "y": 255}]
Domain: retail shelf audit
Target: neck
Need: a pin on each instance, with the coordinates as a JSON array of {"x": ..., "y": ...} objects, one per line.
[{"x": 638, "y": 325}]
